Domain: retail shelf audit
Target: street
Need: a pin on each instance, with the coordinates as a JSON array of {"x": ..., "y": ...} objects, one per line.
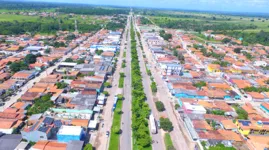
[
  {"x": 126, "y": 136},
  {"x": 158, "y": 138},
  {"x": 179, "y": 133}
]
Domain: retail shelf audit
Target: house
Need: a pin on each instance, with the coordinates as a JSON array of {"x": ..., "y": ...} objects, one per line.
[
  {"x": 201, "y": 125},
  {"x": 260, "y": 63},
  {"x": 80, "y": 122},
  {"x": 9, "y": 141},
  {"x": 228, "y": 125},
  {"x": 30, "y": 96},
  {"x": 69, "y": 133},
  {"x": 24, "y": 75},
  {"x": 37, "y": 66},
  {"x": 213, "y": 68},
  {"x": 265, "y": 107},
  {"x": 193, "y": 108},
  {"x": 41, "y": 130},
  {"x": 9, "y": 85},
  {"x": 85, "y": 99},
  {"x": 8, "y": 126},
  {"x": 220, "y": 136},
  {"x": 257, "y": 142},
  {"x": 256, "y": 96},
  {"x": 54, "y": 145},
  {"x": 248, "y": 127}
]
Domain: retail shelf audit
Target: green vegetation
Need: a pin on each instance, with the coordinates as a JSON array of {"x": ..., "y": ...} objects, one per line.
[
  {"x": 106, "y": 93},
  {"x": 140, "y": 109},
  {"x": 221, "y": 63},
  {"x": 98, "y": 52},
  {"x": 165, "y": 36},
  {"x": 124, "y": 54},
  {"x": 93, "y": 11},
  {"x": 256, "y": 89},
  {"x": 115, "y": 132},
  {"x": 153, "y": 87},
  {"x": 237, "y": 50},
  {"x": 218, "y": 112},
  {"x": 200, "y": 84},
  {"x": 61, "y": 85},
  {"x": 144, "y": 20},
  {"x": 88, "y": 147},
  {"x": 159, "y": 106},
  {"x": 41, "y": 105},
  {"x": 166, "y": 124},
  {"x": 242, "y": 114},
  {"x": 177, "y": 106},
  {"x": 18, "y": 66},
  {"x": 248, "y": 55},
  {"x": 123, "y": 64},
  {"x": 107, "y": 84},
  {"x": 121, "y": 80},
  {"x": 168, "y": 142},
  {"x": 221, "y": 147},
  {"x": 22, "y": 65},
  {"x": 30, "y": 59}
]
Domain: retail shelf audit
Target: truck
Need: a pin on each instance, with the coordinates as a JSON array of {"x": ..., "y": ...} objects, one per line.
[
  {"x": 152, "y": 122},
  {"x": 115, "y": 103}
]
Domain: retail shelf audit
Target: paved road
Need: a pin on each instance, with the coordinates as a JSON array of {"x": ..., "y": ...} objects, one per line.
[
  {"x": 179, "y": 134},
  {"x": 158, "y": 138},
  {"x": 126, "y": 136},
  {"x": 102, "y": 142}
]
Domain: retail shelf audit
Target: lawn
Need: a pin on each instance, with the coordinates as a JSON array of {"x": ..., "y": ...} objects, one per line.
[
  {"x": 168, "y": 141},
  {"x": 115, "y": 137},
  {"x": 121, "y": 80}
]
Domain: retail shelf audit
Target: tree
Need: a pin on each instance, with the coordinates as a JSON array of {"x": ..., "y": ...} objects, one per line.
[
  {"x": 120, "y": 97},
  {"x": 200, "y": 84},
  {"x": 166, "y": 124},
  {"x": 177, "y": 106},
  {"x": 30, "y": 58},
  {"x": 80, "y": 61},
  {"x": 68, "y": 60},
  {"x": 106, "y": 93},
  {"x": 61, "y": 85},
  {"x": 47, "y": 51},
  {"x": 98, "y": 52},
  {"x": 18, "y": 66},
  {"x": 153, "y": 87},
  {"x": 237, "y": 50},
  {"x": 226, "y": 40},
  {"x": 107, "y": 84},
  {"x": 92, "y": 73},
  {"x": 88, "y": 147},
  {"x": 159, "y": 106}
]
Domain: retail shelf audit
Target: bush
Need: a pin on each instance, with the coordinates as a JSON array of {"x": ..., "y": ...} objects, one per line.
[
  {"x": 106, "y": 93},
  {"x": 107, "y": 84},
  {"x": 153, "y": 87},
  {"x": 159, "y": 106},
  {"x": 177, "y": 106},
  {"x": 166, "y": 124},
  {"x": 88, "y": 147}
]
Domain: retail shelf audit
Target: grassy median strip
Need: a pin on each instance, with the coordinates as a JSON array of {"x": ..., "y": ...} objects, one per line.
[
  {"x": 115, "y": 130},
  {"x": 121, "y": 80},
  {"x": 168, "y": 142},
  {"x": 140, "y": 109}
]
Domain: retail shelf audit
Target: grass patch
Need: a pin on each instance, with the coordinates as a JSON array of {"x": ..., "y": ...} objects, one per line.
[
  {"x": 115, "y": 134},
  {"x": 121, "y": 80},
  {"x": 168, "y": 142},
  {"x": 124, "y": 54}
]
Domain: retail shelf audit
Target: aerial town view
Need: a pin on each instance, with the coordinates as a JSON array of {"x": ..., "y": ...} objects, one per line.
[{"x": 134, "y": 75}]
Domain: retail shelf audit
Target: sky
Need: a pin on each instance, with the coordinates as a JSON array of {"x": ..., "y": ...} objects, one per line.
[{"x": 201, "y": 5}]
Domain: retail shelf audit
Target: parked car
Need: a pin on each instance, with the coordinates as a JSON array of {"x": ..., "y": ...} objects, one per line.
[{"x": 107, "y": 133}]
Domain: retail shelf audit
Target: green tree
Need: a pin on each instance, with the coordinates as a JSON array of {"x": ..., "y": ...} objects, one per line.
[
  {"x": 159, "y": 106},
  {"x": 226, "y": 40},
  {"x": 106, "y": 93},
  {"x": 68, "y": 60},
  {"x": 177, "y": 106},
  {"x": 98, "y": 52},
  {"x": 200, "y": 84},
  {"x": 237, "y": 50},
  {"x": 153, "y": 87},
  {"x": 47, "y": 51},
  {"x": 30, "y": 58},
  {"x": 107, "y": 84},
  {"x": 61, "y": 85},
  {"x": 88, "y": 147},
  {"x": 166, "y": 124}
]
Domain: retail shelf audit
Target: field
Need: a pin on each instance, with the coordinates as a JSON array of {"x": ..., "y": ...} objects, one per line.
[
  {"x": 65, "y": 18},
  {"x": 261, "y": 23}
]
